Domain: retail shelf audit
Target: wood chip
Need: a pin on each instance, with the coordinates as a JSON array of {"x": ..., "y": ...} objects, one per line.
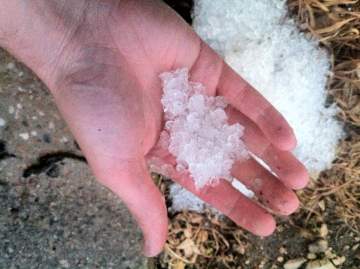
[{"x": 294, "y": 263}]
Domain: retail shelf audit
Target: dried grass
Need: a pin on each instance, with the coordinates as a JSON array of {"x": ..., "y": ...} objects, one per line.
[
  {"x": 205, "y": 241},
  {"x": 336, "y": 23}
]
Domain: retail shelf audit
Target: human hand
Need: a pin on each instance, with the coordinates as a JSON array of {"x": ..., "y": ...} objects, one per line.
[{"x": 101, "y": 61}]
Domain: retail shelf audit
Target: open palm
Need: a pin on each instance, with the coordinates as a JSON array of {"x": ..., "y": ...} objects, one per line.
[{"x": 105, "y": 82}]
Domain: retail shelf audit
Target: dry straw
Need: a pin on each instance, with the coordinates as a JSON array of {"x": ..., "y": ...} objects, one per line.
[{"x": 336, "y": 23}]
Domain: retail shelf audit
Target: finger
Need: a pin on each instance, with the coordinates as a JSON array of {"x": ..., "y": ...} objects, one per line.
[
  {"x": 133, "y": 184},
  {"x": 270, "y": 191},
  {"x": 251, "y": 103},
  {"x": 207, "y": 68},
  {"x": 283, "y": 163},
  {"x": 222, "y": 196},
  {"x": 233, "y": 204}
]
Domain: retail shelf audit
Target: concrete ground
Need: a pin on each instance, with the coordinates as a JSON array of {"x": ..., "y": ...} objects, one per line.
[{"x": 53, "y": 214}]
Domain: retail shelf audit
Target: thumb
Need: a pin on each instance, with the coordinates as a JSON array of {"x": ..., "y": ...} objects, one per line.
[
  {"x": 102, "y": 104},
  {"x": 132, "y": 182}
]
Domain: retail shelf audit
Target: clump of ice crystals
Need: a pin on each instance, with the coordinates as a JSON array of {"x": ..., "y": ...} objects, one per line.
[
  {"x": 183, "y": 199},
  {"x": 196, "y": 130}
]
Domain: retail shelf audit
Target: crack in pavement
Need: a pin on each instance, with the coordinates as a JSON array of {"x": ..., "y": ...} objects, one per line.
[{"x": 48, "y": 163}]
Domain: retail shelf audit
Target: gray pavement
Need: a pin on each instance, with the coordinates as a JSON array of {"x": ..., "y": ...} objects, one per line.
[{"x": 53, "y": 214}]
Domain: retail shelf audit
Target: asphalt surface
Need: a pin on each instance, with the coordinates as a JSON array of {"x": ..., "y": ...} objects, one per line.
[{"x": 53, "y": 213}]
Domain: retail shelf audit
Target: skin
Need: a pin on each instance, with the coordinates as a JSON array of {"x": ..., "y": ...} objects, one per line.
[{"x": 101, "y": 61}]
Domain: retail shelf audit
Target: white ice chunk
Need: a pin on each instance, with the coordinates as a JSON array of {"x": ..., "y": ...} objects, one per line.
[
  {"x": 242, "y": 188},
  {"x": 182, "y": 199}
]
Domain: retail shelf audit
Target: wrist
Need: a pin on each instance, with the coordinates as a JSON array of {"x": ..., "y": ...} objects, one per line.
[
  {"x": 8, "y": 23},
  {"x": 36, "y": 32}
]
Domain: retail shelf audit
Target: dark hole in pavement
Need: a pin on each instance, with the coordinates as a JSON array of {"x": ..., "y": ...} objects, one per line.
[
  {"x": 25, "y": 123},
  {"x": 14, "y": 210},
  {"x": 46, "y": 163},
  {"x": 46, "y": 138},
  {"x": 4, "y": 154}
]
